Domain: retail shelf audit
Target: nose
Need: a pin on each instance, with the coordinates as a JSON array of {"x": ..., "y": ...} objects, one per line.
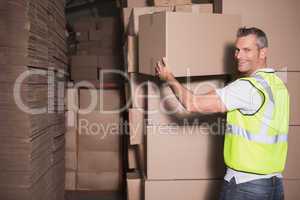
[{"x": 238, "y": 54}]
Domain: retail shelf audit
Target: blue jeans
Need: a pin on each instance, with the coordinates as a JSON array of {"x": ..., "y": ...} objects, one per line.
[{"x": 261, "y": 189}]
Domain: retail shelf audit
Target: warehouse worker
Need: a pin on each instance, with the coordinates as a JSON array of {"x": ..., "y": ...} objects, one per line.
[{"x": 257, "y": 107}]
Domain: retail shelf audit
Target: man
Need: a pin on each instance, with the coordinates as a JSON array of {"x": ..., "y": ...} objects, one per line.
[{"x": 257, "y": 107}]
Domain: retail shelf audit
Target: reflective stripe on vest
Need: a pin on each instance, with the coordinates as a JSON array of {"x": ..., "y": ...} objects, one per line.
[{"x": 262, "y": 136}]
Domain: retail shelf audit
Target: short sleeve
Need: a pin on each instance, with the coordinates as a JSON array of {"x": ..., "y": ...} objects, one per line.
[{"x": 241, "y": 94}]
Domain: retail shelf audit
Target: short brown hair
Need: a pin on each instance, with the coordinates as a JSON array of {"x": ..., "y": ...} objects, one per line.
[{"x": 262, "y": 40}]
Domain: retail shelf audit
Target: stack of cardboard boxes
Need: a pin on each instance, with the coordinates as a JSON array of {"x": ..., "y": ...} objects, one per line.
[
  {"x": 33, "y": 64},
  {"x": 94, "y": 158},
  {"x": 98, "y": 49},
  {"x": 93, "y": 140},
  {"x": 170, "y": 148}
]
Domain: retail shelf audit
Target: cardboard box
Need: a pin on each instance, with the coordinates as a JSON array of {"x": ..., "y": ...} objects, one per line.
[
  {"x": 100, "y": 99},
  {"x": 131, "y": 54},
  {"x": 291, "y": 189},
  {"x": 136, "y": 125},
  {"x": 132, "y": 157},
  {"x": 84, "y": 73},
  {"x": 84, "y": 25},
  {"x": 195, "y": 8},
  {"x": 171, "y": 2},
  {"x": 84, "y": 61},
  {"x": 70, "y": 180},
  {"x": 131, "y": 17},
  {"x": 111, "y": 76},
  {"x": 183, "y": 189},
  {"x": 164, "y": 108},
  {"x": 99, "y": 161},
  {"x": 137, "y": 3},
  {"x": 281, "y": 19},
  {"x": 103, "y": 41},
  {"x": 138, "y": 90},
  {"x": 109, "y": 62},
  {"x": 72, "y": 99},
  {"x": 158, "y": 38},
  {"x": 99, "y": 132},
  {"x": 71, "y": 119},
  {"x": 134, "y": 186},
  {"x": 71, "y": 160},
  {"x": 71, "y": 139},
  {"x": 292, "y": 164},
  {"x": 96, "y": 128},
  {"x": 102, "y": 181},
  {"x": 292, "y": 82},
  {"x": 185, "y": 152}
]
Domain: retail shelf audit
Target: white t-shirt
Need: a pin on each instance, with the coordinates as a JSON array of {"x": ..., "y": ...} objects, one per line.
[{"x": 242, "y": 95}]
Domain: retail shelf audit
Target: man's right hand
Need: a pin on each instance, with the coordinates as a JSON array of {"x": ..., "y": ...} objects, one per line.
[{"x": 163, "y": 71}]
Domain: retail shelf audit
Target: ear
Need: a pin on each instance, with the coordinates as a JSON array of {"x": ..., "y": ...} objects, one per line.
[{"x": 263, "y": 53}]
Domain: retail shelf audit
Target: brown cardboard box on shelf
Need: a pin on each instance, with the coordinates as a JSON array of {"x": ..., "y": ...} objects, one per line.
[
  {"x": 202, "y": 50},
  {"x": 291, "y": 170},
  {"x": 280, "y": 19},
  {"x": 291, "y": 189},
  {"x": 183, "y": 189},
  {"x": 164, "y": 108},
  {"x": 100, "y": 181},
  {"x": 82, "y": 36},
  {"x": 185, "y": 152},
  {"x": 70, "y": 180},
  {"x": 96, "y": 99},
  {"x": 171, "y": 2},
  {"x": 134, "y": 186},
  {"x": 99, "y": 161},
  {"x": 136, "y": 125},
  {"x": 292, "y": 81}
]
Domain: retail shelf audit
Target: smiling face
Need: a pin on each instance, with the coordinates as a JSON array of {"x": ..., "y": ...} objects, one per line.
[{"x": 248, "y": 55}]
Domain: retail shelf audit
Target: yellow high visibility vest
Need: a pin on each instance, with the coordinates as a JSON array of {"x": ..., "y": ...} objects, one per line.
[{"x": 257, "y": 143}]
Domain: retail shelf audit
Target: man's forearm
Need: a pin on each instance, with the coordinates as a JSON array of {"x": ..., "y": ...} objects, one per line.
[{"x": 184, "y": 95}]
